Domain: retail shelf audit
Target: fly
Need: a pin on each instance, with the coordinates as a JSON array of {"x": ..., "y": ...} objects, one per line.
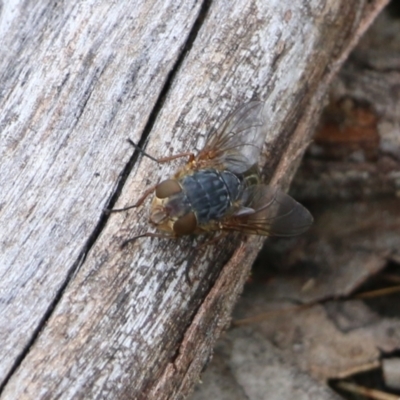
[{"x": 220, "y": 189}]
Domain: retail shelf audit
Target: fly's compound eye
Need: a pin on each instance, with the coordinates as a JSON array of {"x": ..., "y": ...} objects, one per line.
[
  {"x": 167, "y": 188},
  {"x": 185, "y": 225}
]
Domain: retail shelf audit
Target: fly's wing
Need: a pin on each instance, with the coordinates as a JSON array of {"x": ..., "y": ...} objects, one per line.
[
  {"x": 267, "y": 211},
  {"x": 237, "y": 144}
]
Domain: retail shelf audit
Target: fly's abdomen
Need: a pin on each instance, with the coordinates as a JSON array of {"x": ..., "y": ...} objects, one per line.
[{"x": 211, "y": 193}]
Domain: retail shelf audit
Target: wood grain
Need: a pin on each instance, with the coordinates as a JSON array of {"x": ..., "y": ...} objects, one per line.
[{"x": 81, "y": 318}]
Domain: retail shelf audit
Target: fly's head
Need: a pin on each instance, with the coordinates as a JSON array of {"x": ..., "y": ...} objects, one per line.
[{"x": 169, "y": 211}]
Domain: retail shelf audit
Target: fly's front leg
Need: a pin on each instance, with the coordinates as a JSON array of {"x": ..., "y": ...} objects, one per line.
[
  {"x": 152, "y": 188},
  {"x": 146, "y": 194},
  {"x": 215, "y": 239},
  {"x": 147, "y": 234},
  {"x": 163, "y": 159}
]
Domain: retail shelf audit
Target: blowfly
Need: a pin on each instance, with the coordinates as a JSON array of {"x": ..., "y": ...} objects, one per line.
[{"x": 220, "y": 189}]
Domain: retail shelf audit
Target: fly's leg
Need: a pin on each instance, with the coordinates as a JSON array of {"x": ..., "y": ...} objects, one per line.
[
  {"x": 152, "y": 188},
  {"x": 147, "y": 234},
  {"x": 146, "y": 194},
  {"x": 212, "y": 241},
  {"x": 163, "y": 159}
]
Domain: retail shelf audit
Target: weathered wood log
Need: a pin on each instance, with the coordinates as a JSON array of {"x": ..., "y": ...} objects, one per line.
[{"x": 81, "y": 318}]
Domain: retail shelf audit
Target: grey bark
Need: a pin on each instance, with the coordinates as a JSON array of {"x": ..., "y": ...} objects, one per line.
[{"x": 81, "y": 318}]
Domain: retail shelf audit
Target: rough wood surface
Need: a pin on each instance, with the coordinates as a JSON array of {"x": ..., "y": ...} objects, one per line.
[{"x": 80, "y": 318}]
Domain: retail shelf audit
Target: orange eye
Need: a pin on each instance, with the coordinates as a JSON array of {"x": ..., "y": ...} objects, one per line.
[
  {"x": 185, "y": 225},
  {"x": 167, "y": 188}
]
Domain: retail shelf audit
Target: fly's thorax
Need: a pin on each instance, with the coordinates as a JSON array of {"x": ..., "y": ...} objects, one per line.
[
  {"x": 211, "y": 193},
  {"x": 171, "y": 211}
]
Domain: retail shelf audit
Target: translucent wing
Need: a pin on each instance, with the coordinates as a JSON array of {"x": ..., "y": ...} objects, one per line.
[
  {"x": 237, "y": 144},
  {"x": 269, "y": 212}
]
